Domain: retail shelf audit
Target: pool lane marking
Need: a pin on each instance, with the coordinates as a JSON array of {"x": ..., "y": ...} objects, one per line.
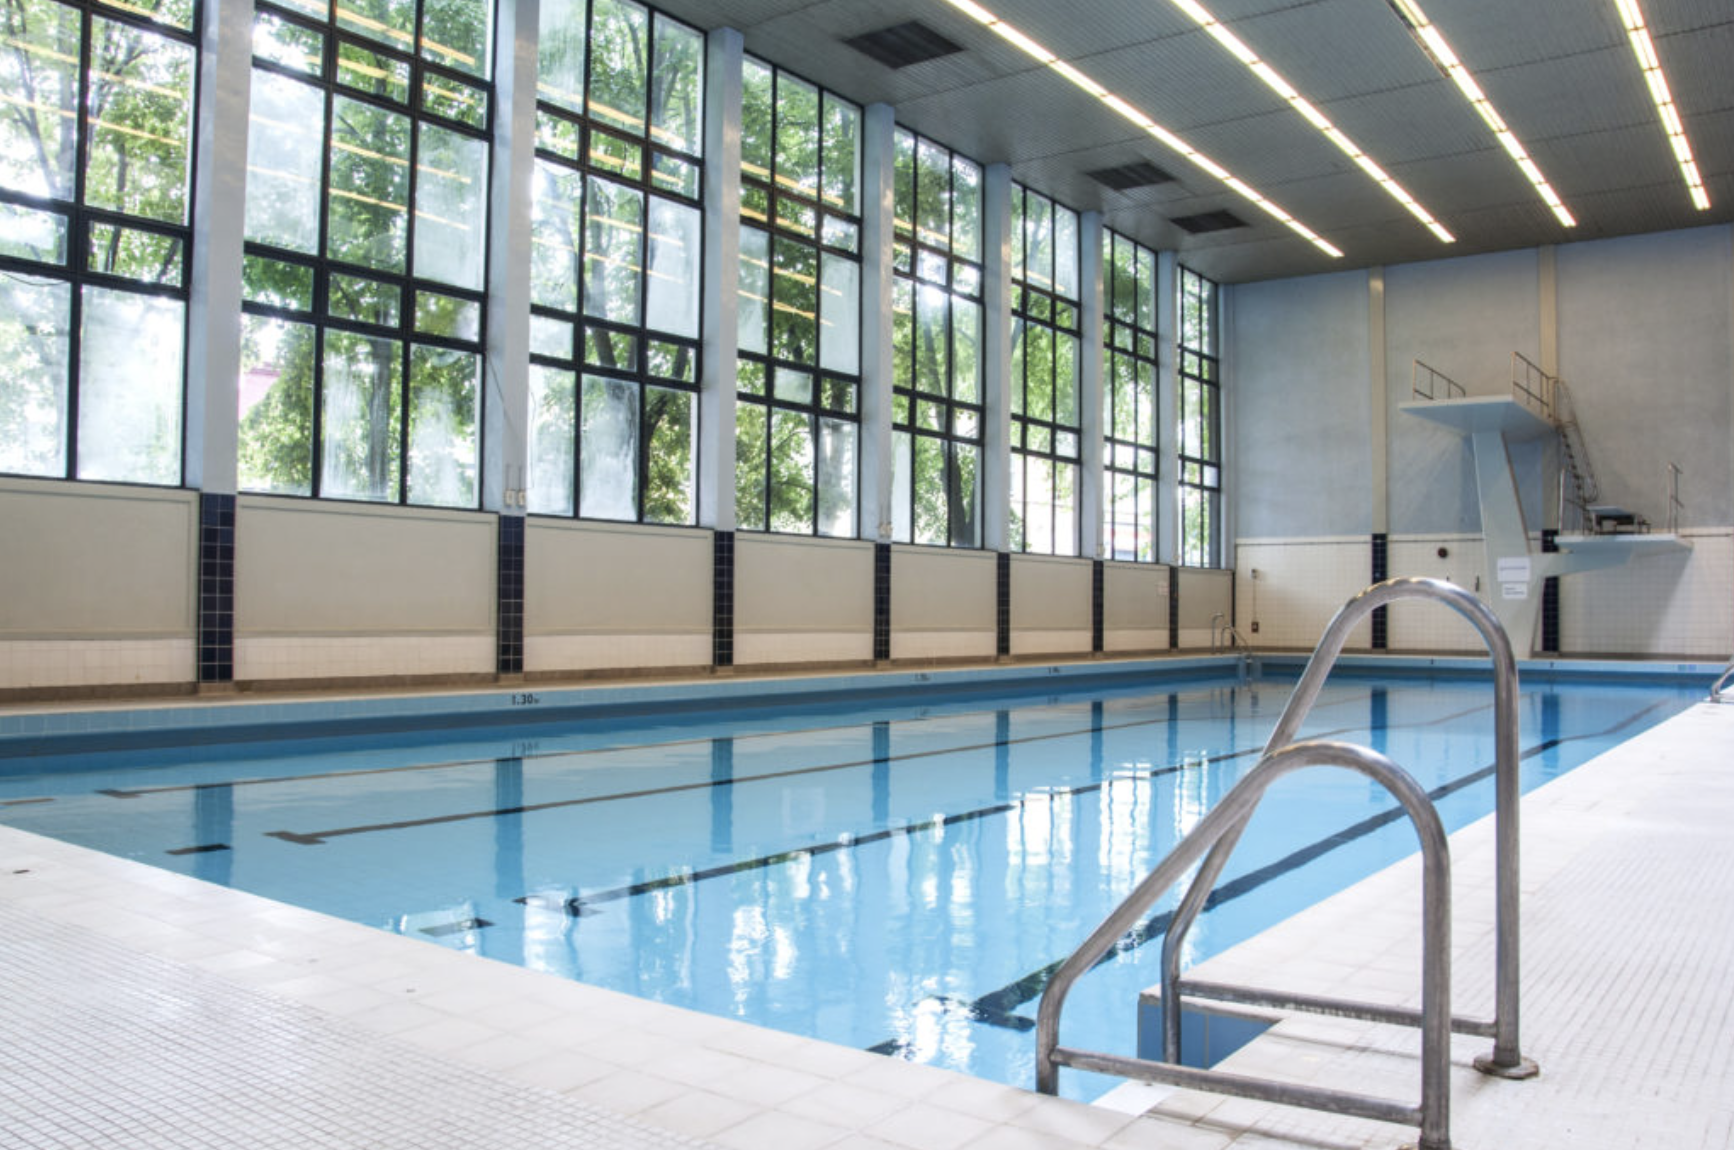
[
  {"x": 623, "y": 748},
  {"x": 998, "y": 1007},
  {"x": 579, "y": 905},
  {"x": 316, "y": 838}
]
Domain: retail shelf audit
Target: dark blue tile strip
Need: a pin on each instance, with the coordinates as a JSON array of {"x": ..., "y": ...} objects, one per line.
[
  {"x": 1381, "y": 572},
  {"x": 1173, "y": 608},
  {"x": 881, "y": 602},
  {"x": 1002, "y": 596},
  {"x": 1098, "y": 584},
  {"x": 216, "y": 588},
  {"x": 1550, "y": 599},
  {"x": 509, "y": 646},
  {"x": 723, "y": 600}
]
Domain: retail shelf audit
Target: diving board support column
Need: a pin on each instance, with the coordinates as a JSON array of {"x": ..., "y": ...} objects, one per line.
[{"x": 1511, "y": 570}]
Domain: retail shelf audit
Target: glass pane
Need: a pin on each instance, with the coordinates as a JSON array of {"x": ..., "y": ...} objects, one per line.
[
  {"x": 671, "y": 296},
  {"x": 672, "y": 175},
  {"x": 1039, "y": 372},
  {"x": 367, "y": 215},
  {"x": 620, "y": 52},
  {"x": 615, "y": 350},
  {"x": 444, "y": 96},
  {"x": 901, "y": 500},
  {"x": 372, "y": 72},
  {"x": 838, "y": 395},
  {"x": 794, "y": 386},
  {"x": 286, "y": 122},
  {"x": 614, "y": 250},
  {"x": 556, "y": 194},
  {"x": 1016, "y": 533},
  {"x": 677, "y": 88},
  {"x": 842, "y": 155},
  {"x": 616, "y": 156},
  {"x": 932, "y": 355},
  {"x": 932, "y": 522},
  {"x": 933, "y": 196},
  {"x": 366, "y": 300},
  {"x": 836, "y": 478},
  {"x": 791, "y": 450},
  {"x": 840, "y": 314},
  {"x": 451, "y": 208},
  {"x": 275, "y": 452},
  {"x": 797, "y": 135},
  {"x": 902, "y": 332},
  {"x": 148, "y": 257},
  {"x": 129, "y": 387},
  {"x": 608, "y": 449},
  {"x": 1066, "y": 252},
  {"x": 794, "y": 309},
  {"x": 553, "y": 396},
  {"x": 31, "y": 234},
  {"x": 966, "y": 346},
  {"x": 560, "y": 54},
  {"x": 1039, "y": 238},
  {"x": 176, "y": 13},
  {"x": 448, "y": 316},
  {"x": 670, "y": 436},
  {"x": 672, "y": 361},
  {"x": 35, "y": 339},
  {"x": 276, "y": 283},
  {"x": 755, "y": 289},
  {"x": 836, "y": 232},
  {"x": 903, "y": 184},
  {"x": 138, "y": 113},
  {"x": 965, "y": 495},
  {"x": 750, "y": 377},
  {"x": 966, "y": 208},
  {"x": 550, "y": 337},
  {"x": 1146, "y": 289},
  {"x": 287, "y": 45},
  {"x": 750, "y": 427},
  {"x": 458, "y": 34},
  {"x": 1065, "y": 379},
  {"x": 386, "y": 21},
  {"x": 756, "y": 119},
  {"x": 359, "y": 444},
  {"x": 1039, "y": 501}
]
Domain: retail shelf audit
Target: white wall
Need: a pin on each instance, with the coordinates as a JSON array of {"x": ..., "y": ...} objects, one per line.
[{"x": 1290, "y": 588}]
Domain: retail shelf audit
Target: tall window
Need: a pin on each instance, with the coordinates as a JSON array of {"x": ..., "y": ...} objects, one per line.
[
  {"x": 936, "y": 305},
  {"x": 96, "y": 125},
  {"x": 1129, "y": 398},
  {"x": 614, "y": 283},
  {"x": 798, "y": 416},
  {"x": 1045, "y": 431},
  {"x": 1200, "y": 423},
  {"x": 366, "y": 226}
]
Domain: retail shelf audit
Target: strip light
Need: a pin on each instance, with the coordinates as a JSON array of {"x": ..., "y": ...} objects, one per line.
[
  {"x": 1275, "y": 82},
  {"x": 1168, "y": 139},
  {"x": 1434, "y": 44},
  {"x": 1639, "y": 34}
]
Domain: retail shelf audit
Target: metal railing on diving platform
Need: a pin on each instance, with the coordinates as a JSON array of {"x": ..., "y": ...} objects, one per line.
[{"x": 1213, "y": 840}]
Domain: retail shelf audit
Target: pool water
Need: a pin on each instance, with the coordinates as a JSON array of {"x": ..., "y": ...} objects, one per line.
[{"x": 901, "y": 876}]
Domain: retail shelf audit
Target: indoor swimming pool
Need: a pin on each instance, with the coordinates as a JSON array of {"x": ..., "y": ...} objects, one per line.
[{"x": 899, "y": 874}]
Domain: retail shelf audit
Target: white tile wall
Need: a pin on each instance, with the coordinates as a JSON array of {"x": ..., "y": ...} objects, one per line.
[
  {"x": 803, "y": 647},
  {"x": 1664, "y": 605},
  {"x": 1062, "y": 642},
  {"x": 94, "y": 662},
  {"x": 275, "y": 657},
  {"x": 1429, "y": 626},
  {"x": 1135, "y": 639},
  {"x": 1299, "y": 585},
  {"x": 544, "y": 653},
  {"x": 942, "y": 644}
]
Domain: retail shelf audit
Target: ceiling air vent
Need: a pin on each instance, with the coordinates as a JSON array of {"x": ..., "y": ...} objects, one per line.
[
  {"x": 1124, "y": 178},
  {"x": 1209, "y": 222},
  {"x": 903, "y": 44}
]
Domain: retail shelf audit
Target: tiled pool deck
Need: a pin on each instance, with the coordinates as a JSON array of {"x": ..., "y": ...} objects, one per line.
[{"x": 140, "y": 1008}]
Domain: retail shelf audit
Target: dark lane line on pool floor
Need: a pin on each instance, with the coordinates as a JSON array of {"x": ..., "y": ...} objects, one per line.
[
  {"x": 998, "y": 1007},
  {"x": 316, "y": 838}
]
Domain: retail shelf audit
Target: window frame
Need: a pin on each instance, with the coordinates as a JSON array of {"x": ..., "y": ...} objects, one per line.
[
  {"x": 1199, "y": 440},
  {"x": 1138, "y": 342}
]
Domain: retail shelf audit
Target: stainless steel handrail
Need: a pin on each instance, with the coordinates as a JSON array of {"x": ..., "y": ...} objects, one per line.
[
  {"x": 1716, "y": 691},
  {"x": 1453, "y": 389},
  {"x": 1507, "y": 1059},
  {"x": 1533, "y": 383},
  {"x": 1674, "y": 504},
  {"x": 1226, "y": 820}
]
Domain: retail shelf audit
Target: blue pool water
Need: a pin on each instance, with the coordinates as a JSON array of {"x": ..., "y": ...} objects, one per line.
[{"x": 897, "y": 875}]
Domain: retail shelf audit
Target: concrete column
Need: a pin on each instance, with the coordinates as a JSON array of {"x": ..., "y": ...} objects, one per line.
[
  {"x": 1091, "y": 480},
  {"x": 722, "y": 271},
  {"x": 1225, "y": 396},
  {"x": 996, "y": 356},
  {"x": 878, "y": 191},
  {"x": 1168, "y": 408},
  {"x": 506, "y": 406},
  {"x": 1378, "y": 402},
  {"x": 219, "y": 228}
]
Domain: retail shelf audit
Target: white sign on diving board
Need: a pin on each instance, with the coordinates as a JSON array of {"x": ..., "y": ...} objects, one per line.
[{"x": 1512, "y": 573}]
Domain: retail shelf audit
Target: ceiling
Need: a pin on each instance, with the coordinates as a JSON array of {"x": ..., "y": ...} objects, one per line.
[{"x": 1560, "y": 72}]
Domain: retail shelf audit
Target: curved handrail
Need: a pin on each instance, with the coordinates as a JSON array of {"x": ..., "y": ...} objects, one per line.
[
  {"x": 1226, "y": 819},
  {"x": 1716, "y": 691},
  {"x": 1507, "y": 1056}
]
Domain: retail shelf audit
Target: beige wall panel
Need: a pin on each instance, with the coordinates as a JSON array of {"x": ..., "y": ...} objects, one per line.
[
  {"x": 793, "y": 584},
  {"x": 935, "y": 591},
  {"x": 583, "y": 578},
  {"x": 1049, "y": 594},
  {"x": 85, "y": 560}
]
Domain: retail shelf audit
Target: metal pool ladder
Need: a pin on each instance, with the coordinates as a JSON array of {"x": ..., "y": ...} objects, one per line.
[{"x": 1213, "y": 840}]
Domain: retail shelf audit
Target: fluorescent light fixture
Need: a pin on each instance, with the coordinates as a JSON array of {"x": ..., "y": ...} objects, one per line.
[
  {"x": 1167, "y": 138},
  {"x": 1644, "y": 48},
  {"x": 1432, "y": 42},
  {"x": 1276, "y": 82}
]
